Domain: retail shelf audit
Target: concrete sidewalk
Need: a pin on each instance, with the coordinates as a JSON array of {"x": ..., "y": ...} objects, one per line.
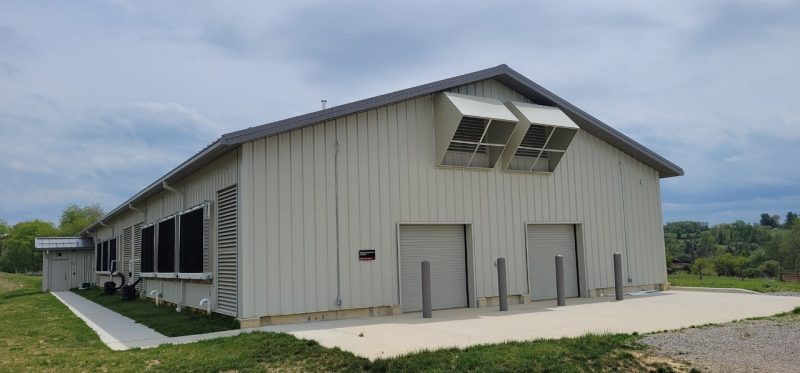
[
  {"x": 116, "y": 331},
  {"x": 390, "y": 336}
]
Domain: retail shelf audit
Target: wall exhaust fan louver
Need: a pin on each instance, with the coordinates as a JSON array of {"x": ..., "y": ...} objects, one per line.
[
  {"x": 471, "y": 131},
  {"x": 540, "y": 140}
]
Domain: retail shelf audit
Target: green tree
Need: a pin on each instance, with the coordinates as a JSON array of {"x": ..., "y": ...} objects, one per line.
[
  {"x": 18, "y": 254},
  {"x": 4, "y": 233},
  {"x": 791, "y": 217},
  {"x": 768, "y": 220},
  {"x": 75, "y": 218},
  {"x": 701, "y": 266},
  {"x": 771, "y": 268},
  {"x": 726, "y": 264}
]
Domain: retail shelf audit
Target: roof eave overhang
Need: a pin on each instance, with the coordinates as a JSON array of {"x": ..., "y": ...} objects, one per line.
[{"x": 204, "y": 157}]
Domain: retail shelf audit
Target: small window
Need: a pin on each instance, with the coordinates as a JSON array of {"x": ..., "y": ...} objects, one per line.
[
  {"x": 98, "y": 257},
  {"x": 105, "y": 256},
  {"x": 148, "y": 249},
  {"x": 166, "y": 246},
  {"x": 112, "y": 252},
  {"x": 192, "y": 241}
]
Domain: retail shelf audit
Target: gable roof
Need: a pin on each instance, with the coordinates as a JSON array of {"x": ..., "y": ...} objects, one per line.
[{"x": 501, "y": 73}]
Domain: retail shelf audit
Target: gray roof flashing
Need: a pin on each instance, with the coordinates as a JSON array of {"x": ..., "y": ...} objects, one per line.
[
  {"x": 62, "y": 243},
  {"x": 501, "y": 73}
]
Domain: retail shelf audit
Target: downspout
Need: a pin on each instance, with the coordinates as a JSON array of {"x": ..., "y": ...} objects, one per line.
[
  {"x": 338, "y": 259},
  {"x": 177, "y": 239},
  {"x": 624, "y": 222}
]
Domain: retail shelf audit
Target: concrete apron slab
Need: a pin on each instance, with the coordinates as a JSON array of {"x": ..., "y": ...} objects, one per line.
[
  {"x": 390, "y": 336},
  {"x": 116, "y": 331}
]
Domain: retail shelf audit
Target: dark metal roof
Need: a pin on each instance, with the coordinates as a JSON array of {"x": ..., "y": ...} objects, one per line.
[
  {"x": 501, "y": 73},
  {"x": 63, "y": 243}
]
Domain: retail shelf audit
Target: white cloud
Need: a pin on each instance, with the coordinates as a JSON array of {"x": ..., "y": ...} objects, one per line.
[{"x": 106, "y": 100}]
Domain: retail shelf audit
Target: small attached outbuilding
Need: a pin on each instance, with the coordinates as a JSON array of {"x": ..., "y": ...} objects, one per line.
[{"x": 66, "y": 262}]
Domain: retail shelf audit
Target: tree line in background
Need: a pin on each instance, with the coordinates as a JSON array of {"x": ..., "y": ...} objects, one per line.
[
  {"x": 16, "y": 242},
  {"x": 739, "y": 249}
]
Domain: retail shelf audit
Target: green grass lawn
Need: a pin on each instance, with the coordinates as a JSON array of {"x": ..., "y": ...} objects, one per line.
[
  {"x": 162, "y": 319},
  {"x": 38, "y": 333},
  {"x": 755, "y": 284}
]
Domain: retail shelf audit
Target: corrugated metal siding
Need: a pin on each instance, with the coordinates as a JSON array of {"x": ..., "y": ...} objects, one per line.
[
  {"x": 387, "y": 175},
  {"x": 198, "y": 188}
]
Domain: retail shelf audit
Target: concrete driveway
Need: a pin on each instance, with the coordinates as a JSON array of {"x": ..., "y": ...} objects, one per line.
[{"x": 396, "y": 335}]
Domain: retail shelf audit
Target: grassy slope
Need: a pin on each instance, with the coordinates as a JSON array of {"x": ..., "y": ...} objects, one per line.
[
  {"x": 163, "y": 319},
  {"x": 38, "y": 333},
  {"x": 755, "y": 284}
]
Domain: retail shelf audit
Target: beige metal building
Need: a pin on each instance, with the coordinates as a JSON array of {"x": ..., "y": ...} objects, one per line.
[{"x": 329, "y": 214}]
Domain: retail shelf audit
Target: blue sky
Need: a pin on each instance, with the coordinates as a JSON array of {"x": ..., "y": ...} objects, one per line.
[{"x": 100, "y": 98}]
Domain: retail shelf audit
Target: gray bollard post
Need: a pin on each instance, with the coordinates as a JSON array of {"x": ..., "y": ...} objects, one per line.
[
  {"x": 502, "y": 283},
  {"x": 427, "y": 309},
  {"x": 560, "y": 281},
  {"x": 618, "y": 276}
]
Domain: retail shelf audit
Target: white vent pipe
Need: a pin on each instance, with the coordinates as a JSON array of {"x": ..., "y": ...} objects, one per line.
[
  {"x": 207, "y": 303},
  {"x": 155, "y": 294}
]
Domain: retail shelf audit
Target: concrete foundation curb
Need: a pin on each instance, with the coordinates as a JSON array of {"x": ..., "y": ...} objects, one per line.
[{"x": 715, "y": 290}]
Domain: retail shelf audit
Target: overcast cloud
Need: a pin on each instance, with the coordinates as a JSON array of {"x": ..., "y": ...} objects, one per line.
[{"x": 98, "y": 99}]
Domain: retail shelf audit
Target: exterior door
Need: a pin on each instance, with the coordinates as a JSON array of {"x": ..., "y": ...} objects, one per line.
[
  {"x": 444, "y": 246},
  {"x": 59, "y": 276},
  {"x": 545, "y": 241}
]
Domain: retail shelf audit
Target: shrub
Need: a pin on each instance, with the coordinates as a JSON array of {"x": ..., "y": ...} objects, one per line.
[
  {"x": 703, "y": 266},
  {"x": 771, "y": 268}
]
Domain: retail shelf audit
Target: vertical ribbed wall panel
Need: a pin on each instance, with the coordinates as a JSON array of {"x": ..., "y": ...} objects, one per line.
[{"x": 387, "y": 175}]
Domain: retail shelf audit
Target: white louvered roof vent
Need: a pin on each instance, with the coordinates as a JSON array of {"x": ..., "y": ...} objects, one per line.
[
  {"x": 471, "y": 131},
  {"x": 540, "y": 139}
]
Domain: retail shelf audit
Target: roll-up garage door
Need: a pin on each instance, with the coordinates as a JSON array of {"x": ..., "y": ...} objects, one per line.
[
  {"x": 444, "y": 247},
  {"x": 545, "y": 241}
]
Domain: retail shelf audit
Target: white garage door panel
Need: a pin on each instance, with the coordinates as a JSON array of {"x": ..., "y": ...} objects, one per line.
[
  {"x": 544, "y": 243},
  {"x": 443, "y": 246}
]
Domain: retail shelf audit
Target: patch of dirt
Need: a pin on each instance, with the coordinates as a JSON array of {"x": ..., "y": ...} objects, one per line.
[
  {"x": 151, "y": 363},
  {"x": 660, "y": 363}
]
